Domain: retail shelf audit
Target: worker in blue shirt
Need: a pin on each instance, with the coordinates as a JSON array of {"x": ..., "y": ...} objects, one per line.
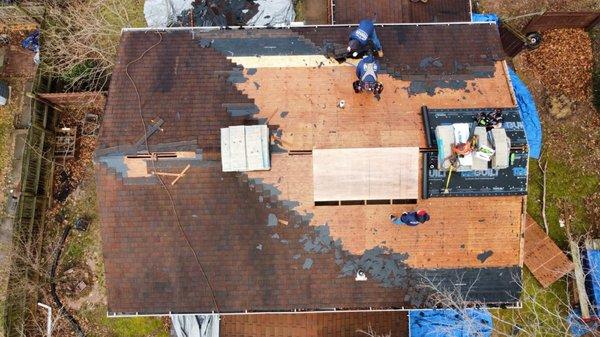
[
  {"x": 366, "y": 71},
  {"x": 410, "y": 218},
  {"x": 364, "y": 39}
]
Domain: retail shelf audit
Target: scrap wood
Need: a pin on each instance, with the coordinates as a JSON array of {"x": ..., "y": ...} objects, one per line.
[
  {"x": 564, "y": 63},
  {"x": 546, "y": 261},
  {"x": 178, "y": 175}
]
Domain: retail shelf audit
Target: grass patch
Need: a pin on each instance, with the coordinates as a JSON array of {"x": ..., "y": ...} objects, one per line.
[
  {"x": 101, "y": 325},
  {"x": 563, "y": 183},
  {"x": 299, "y": 9},
  {"x": 544, "y": 311}
]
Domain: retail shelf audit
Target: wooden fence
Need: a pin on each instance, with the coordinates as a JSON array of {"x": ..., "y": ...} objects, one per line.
[
  {"x": 36, "y": 195},
  {"x": 555, "y": 20}
]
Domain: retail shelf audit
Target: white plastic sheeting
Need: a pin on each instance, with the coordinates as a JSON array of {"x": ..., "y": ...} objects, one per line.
[
  {"x": 196, "y": 325},
  {"x": 162, "y": 13},
  {"x": 273, "y": 13}
]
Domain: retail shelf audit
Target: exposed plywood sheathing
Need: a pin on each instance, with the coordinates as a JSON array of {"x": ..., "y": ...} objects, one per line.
[
  {"x": 546, "y": 261},
  {"x": 245, "y": 148},
  {"x": 303, "y": 103},
  {"x": 459, "y": 229},
  {"x": 366, "y": 173}
]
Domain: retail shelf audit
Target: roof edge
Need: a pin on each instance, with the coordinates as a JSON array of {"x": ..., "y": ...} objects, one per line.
[
  {"x": 161, "y": 29},
  {"x": 508, "y": 305}
]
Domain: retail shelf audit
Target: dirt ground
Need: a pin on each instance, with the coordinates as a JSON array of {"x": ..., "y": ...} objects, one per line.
[{"x": 80, "y": 275}]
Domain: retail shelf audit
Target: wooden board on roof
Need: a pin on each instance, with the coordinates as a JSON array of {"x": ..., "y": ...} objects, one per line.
[{"x": 366, "y": 173}]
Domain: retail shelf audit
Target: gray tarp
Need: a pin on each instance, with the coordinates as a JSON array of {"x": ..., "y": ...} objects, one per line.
[
  {"x": 163, "y": 13},
  {"x": 196, "y": 325},
  {"x": 273, "y": 13}
]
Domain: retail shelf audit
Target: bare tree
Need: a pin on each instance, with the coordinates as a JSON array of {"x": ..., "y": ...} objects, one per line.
[
  {"x": 370, "y": 332},
  {"x": 81, "y": 38},
  {"x": 535, "y": 317}
]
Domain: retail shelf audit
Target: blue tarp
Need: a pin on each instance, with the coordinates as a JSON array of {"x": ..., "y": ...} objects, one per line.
[
  {"x": 529, "y": 115},
  {"x": 578, "y": 327},
  {"x": 32, "y": 42},
  {"x": 450, "y": 323},
  {"x": 593, "y": 260},
  {"x": 478, "y": 17},
  {"x": 525, "y": 102}
]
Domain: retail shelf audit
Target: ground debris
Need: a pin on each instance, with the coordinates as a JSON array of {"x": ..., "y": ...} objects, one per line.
[{"x": 564, "y": 62}]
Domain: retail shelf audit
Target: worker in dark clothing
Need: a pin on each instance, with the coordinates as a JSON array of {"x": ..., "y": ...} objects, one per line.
[
  {"x": 410, "y": 218},
  {"x": 364, "y": 40},
  {"x": 366, "y": 71}
]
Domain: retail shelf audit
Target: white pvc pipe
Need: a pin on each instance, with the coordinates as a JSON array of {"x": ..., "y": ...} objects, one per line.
[{"x": 48, "y": 319}]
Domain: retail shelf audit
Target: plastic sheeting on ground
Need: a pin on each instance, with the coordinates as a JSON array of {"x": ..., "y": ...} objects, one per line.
[
  {"x": 479, "y": 17},
  {"x": 579, "y": 328},
  {"x": 529, "y": 115},
  {"x": 525, "y": 102},
  {"x": 196, "y": 325},
  {"x": 273, "y": 13},
  {"x": 593, "y": 261},
  {"x": 450, "y": 323},
  {"x": 163, "y": 13}
]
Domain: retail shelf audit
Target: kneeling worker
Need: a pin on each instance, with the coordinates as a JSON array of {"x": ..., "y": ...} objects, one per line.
[
  {"x": 366, "y": 71},
  {"x": 364, "y": 39}
]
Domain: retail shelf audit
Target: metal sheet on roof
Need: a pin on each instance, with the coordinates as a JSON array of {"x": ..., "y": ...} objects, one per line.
[{"x": 245, "y": 148}]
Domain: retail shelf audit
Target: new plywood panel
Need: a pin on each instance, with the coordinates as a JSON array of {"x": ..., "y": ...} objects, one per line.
[{"x": 366, "y": 173}]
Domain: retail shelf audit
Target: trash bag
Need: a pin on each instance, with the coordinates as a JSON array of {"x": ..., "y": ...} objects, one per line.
[{"x": 32, "y": 42}]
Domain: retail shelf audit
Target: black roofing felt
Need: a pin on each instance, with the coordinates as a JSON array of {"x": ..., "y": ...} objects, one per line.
[{"x": 490, "y": 182}]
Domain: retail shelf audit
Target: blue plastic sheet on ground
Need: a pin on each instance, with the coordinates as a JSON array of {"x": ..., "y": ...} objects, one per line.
[
  {"x": 593, "y": 261},
  {"x": 529, "y": 115},
  {"x": 450, "y": 323},
  {"x": 491, "y": 17},
  {"x": 525, "y": 102},
  {"x": 579, "y": 328},
  {"x": 32, "y": 42}
]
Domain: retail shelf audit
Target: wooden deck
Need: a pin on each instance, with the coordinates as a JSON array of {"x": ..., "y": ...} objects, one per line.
[{"x": 460, "y": 229}]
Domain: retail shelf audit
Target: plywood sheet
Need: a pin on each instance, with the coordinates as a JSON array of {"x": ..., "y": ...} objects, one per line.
[
  {"x": 366, "y": 173},
  {"x": 543, "y": 257}
]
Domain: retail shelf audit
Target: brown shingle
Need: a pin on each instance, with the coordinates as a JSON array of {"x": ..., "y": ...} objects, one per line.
[
  {"x": 256, "y": 267},
  {"x": 342, "y": 324}
]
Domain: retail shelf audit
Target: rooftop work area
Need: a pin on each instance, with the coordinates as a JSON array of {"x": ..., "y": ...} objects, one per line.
[{"x": 293, "y": 236}]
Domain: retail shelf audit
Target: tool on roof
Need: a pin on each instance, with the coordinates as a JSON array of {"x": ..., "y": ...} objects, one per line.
[{"x": 177, "y": 175}]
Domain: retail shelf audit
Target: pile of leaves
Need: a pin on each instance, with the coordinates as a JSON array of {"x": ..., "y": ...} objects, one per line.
[
  {"x": 70, "y": 172},
  {"x": 564, "y": 63}
]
